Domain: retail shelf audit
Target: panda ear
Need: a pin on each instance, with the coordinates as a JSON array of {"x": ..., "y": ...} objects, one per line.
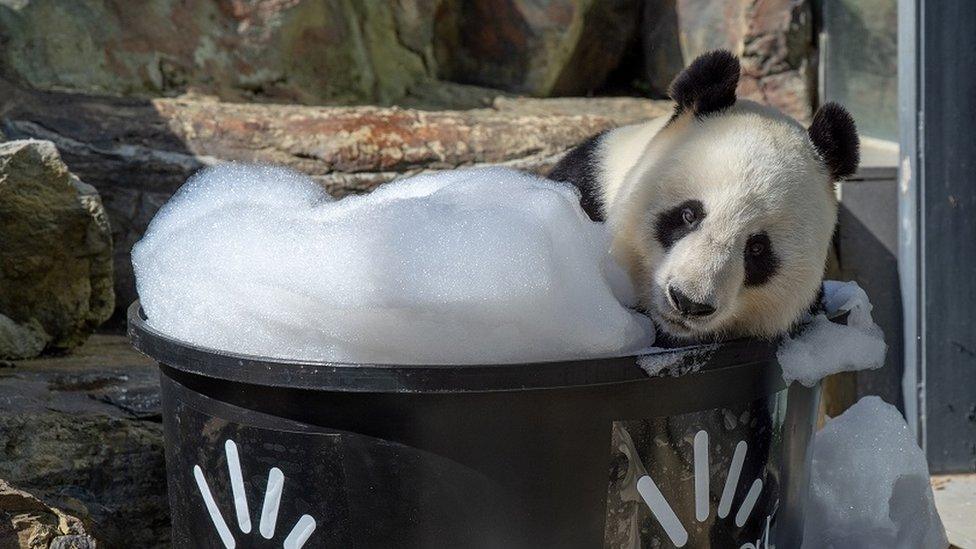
[
  {"x": 707, "y": 85},
  {"x": 834, "y": 135}
]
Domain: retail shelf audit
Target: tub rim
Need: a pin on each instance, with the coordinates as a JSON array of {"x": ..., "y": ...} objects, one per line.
[{"x": 744, "y": 354}]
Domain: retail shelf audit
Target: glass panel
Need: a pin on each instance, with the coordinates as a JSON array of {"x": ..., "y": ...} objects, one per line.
[{"x": 860, "y": 62}]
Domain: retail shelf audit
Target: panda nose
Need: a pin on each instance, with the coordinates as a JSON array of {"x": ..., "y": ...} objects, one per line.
[{"x": 687, "y": 306}]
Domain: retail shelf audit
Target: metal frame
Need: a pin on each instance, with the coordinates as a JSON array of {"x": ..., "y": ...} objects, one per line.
[
  {"x": 937, "y": 229},
  {"x": 913, "y": 383}
]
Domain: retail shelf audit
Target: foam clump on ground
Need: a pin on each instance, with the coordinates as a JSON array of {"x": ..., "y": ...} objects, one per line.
[
  {"x": 823, "y": 347},
  {"x": 870, "y": 484},
  {"x": 481, "y": 265}
]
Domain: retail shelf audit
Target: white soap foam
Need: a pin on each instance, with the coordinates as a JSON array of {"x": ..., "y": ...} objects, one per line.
[
  {"x": 471, "y": 266},
  {"x": 870, "y": 484},
  {"x": 823, "y": 347}
]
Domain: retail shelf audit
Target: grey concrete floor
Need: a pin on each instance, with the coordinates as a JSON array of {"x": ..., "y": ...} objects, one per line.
[{"x": 955, "y": 498}]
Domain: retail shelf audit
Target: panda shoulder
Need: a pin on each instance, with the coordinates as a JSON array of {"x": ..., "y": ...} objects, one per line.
[{"x": 598, "y": 166}]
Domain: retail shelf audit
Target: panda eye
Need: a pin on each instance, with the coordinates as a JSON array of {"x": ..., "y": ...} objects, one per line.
[
  {"x": 672, "y": 225},
  {"x": 761, "y": 262}
]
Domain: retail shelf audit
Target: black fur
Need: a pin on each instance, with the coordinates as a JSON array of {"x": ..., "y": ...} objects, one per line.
[
  {"x": 759, "y": 268},
  {"x": 579, "y": 167},
  {"x": 818, "y": 305},
  {"x": 707, "y": 85},
  {"x": 834, "y": 135},
  {"x": 671, "y": 226}
]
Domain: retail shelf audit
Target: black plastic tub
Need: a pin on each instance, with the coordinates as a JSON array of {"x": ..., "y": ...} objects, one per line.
[{"x": 594, "y": 453}]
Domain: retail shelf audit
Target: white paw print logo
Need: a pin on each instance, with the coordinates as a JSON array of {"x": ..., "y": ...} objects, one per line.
[
  {"x": 666, "y": 516},
  {"x": 296, "y": 538}
]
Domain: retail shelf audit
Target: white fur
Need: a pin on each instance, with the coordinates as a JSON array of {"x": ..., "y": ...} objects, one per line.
[{"x": 754, "y": 169}]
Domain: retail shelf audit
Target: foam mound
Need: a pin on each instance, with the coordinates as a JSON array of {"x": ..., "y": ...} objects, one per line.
[
  {"x": 483, "y": 265},
  {"x": 869, "y": 485},
  {"x": 823, "y": 347}
]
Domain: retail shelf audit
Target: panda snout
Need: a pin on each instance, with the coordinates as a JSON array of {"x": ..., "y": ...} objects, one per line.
[{"x": 686, "y": 306}]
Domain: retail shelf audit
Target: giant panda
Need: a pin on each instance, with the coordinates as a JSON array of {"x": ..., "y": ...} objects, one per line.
[{"x": 722, "y": 213}]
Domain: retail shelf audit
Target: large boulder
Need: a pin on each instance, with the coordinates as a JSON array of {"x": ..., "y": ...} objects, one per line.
[
  {"x": 316, "y": 51},
  {"x": 56, "y": 253},
  {"x": 138, "y": 152},
  {"x": 26, "y": 522},
  {"x": 555, "y": 47},
  {"x": 774, "y": 39}
]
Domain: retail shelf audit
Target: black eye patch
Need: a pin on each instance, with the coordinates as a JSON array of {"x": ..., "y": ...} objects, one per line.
[
  {"x": 674, "y": 224},
  {"x": 761, "y": 262}
]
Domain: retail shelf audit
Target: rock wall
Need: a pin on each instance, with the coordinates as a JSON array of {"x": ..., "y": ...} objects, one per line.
[
  {"x": 531, "y": 47},
  {"x": 406, "y": 52},
  {"x": 305, "y": 51},
  {"x": 315, "y": 51}
]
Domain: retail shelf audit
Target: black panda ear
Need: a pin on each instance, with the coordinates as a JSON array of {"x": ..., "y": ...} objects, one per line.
[
  {"x": 707, "y": 85},
  {"x": 834, "y": 135}
]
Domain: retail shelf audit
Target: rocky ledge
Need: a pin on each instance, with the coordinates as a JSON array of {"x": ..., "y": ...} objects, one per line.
[
  {"x": 82, "y": 434},
  {"x": 28, "y": 522}
]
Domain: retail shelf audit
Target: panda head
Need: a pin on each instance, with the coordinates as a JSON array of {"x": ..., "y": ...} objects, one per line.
[{"x": 726, "y": 220}]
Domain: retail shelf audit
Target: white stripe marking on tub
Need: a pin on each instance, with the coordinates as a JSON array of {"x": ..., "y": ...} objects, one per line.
[
  {"x": 662, "y": 511},
  {"x": 743, "y": 515},
  {"x": 701, "y": 475},
  {"x": 215, "y": 515},
  {"x": 272, "y": 498},
  {"x": 732, "y": 480},
  {"x": 237, "y": 486},
  {"x": 300, "y": 533}
]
